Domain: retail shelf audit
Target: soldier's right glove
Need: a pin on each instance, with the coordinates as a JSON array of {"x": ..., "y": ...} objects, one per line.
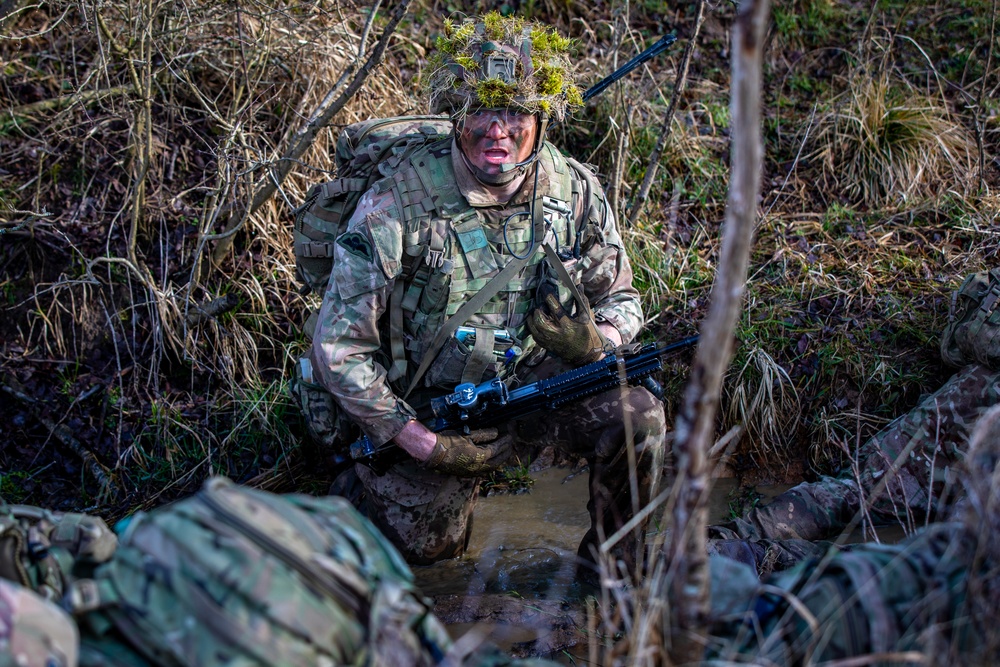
[
  {"x": 575, "y": 338},
  {"x": 474, "y": 455}
]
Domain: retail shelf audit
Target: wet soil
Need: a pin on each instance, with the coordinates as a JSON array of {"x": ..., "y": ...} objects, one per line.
[{"x": 515, "y": 586}]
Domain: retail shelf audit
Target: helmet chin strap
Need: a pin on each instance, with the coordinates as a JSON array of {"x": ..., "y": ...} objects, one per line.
[{"x": 509, "y": 172}]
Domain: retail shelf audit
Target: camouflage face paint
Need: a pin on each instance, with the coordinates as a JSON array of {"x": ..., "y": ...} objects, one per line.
[{"x": 494, "y": 137}]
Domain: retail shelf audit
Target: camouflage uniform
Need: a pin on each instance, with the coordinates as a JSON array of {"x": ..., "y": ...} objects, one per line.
[
  {"x": 34, "y": 631},
  {"x": 933, "y": 594},
  {"x": 869, "y": 600},
  {"x": 912, "y": 459},
  {"x": 425, "y": 514}
]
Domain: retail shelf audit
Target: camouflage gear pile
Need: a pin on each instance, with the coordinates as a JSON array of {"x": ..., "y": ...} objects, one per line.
[
  {"x": 34, "y": 632},
  {"x": 973, "y": 332},
  {"x": 905, "y": 472},
  {"x": 45, "y": 551},
  {"x": 873, "y": 599},
  {"x": 235, "y": 575},
  {"x": 934, "y": 594}
]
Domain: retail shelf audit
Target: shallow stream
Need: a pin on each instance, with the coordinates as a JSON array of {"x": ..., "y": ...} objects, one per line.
[
  {"x": 516, "y": 581},
  {"x": 515, "y": 585}
]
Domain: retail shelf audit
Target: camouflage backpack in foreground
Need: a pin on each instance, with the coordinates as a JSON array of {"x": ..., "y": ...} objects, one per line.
[
  {"x": 233, "y": 575},
  {"x": 973, "y": 331},
  {"x": 366, "y": 152}
]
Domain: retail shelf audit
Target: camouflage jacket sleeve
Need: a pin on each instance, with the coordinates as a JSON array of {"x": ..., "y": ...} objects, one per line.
[
  {"x": 366, "y": 264},
  {"x": 605, "y": 271}
]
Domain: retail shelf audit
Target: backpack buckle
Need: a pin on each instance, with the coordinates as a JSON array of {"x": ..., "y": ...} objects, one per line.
[{"x": 434, "y": 258}]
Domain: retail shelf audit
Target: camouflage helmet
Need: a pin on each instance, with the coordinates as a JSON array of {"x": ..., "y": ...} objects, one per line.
[
  {"x": 34, "y": 631},
  {"x": 500, "y": 62}
]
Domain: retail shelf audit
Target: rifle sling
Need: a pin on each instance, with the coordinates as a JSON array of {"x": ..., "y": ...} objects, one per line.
[{"x": 582, "y": 304}]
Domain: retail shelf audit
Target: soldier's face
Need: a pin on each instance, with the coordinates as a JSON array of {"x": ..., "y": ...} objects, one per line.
[{"x": 491, "y": 138}]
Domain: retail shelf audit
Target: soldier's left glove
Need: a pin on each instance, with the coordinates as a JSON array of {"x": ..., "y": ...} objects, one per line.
[{"x": 573, "y": 338}]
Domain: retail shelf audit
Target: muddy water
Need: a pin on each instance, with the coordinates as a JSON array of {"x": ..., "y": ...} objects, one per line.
[{"x": 516, "y": 583}]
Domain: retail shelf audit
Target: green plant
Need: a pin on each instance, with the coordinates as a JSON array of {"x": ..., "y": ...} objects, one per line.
[
  {"x": 513, "y": 479},
  {"x": 888, "y": 145}
]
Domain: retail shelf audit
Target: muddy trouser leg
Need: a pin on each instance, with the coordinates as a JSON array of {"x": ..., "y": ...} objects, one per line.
[
  {"x": 903, "y": 472},
  {"x": 603, "y": 429},
  {"x": 427, "y": 516}
]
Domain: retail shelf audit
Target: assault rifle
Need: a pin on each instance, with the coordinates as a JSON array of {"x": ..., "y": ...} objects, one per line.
[{"x": 491, "y": 403}]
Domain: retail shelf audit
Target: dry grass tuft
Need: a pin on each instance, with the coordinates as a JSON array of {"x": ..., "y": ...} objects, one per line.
[
  {"x": 886, "y": 144},
  {"x": 760, "y": 396}
]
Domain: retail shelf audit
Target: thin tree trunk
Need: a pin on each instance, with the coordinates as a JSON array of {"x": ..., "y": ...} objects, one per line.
[
  {"x": 235, "y": 216},
  {"x": 695, "y": 427},
  {"x": 661, "y": 141}
]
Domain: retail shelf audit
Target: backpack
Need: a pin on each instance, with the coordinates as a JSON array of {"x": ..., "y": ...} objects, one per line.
[
  {"x": 973, "y": 331},
  {"x": 44, "y": 550},
  {"x": 237, "y": 576},
  {"x": 366, "y": 152}
]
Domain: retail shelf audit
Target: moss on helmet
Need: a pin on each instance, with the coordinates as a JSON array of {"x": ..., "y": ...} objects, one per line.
[
  {"x": 547, "y": 42},
  {"x": 550, "y": 80},
  {"x": 497, "y": 61},
  {"x": 495, "y": 94}
]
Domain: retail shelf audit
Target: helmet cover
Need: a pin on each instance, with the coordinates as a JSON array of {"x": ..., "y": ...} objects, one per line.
[{"x": 502, "y": 62}]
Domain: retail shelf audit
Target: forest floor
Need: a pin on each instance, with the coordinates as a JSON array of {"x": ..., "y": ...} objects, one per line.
[{"x": 146, "y": 343}]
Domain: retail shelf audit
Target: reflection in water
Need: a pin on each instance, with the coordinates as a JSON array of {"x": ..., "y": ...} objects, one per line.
[{"x": 516, "y": 581}]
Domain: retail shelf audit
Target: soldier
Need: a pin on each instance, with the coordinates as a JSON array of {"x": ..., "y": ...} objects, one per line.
[
  {"x": 421, "y": 256},
  {"x": 904, "y": 473},
  {"x": 927, "y": 600}
]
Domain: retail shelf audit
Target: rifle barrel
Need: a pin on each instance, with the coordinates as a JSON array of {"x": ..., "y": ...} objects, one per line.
[{"x": 656, "y": 49}]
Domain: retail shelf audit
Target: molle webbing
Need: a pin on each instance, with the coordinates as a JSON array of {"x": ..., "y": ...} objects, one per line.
[{"x": 442, "y": 230}]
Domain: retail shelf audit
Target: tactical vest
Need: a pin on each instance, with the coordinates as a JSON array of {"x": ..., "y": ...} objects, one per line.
[{"x": 451, "y": 250}]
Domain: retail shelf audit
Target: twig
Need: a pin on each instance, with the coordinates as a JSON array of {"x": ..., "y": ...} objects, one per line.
[
  {"x": 687, "y": 590},
  {"x": 661, "y": 141},
  {"x": 235, "y": 217},
  {"x": 80, "y": 97},
  {"x": 980, "y": 125}
]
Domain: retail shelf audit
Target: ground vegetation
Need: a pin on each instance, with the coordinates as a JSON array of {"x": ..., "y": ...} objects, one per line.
[{"x": 151, "y": 315}]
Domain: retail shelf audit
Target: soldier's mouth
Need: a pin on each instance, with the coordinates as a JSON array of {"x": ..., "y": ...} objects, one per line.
[{"x": 496, "y": 155}]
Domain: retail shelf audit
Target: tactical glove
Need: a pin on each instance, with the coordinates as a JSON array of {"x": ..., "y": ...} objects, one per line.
[
  {"x": 574, "y": 339},
  {"x": 475, "y": 455}
]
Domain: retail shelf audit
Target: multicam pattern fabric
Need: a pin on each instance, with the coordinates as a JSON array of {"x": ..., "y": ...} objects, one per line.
[
  {"x": 238, "y": 576},
  {"x": 910, "y": 464},
  {"x": 933, "y": 594},
  {"x": 351, "y": 355},
  {"x": 873, "y": 599},
  {"x": 34, "y": 632},
  {"x": 45, "y": 550}
]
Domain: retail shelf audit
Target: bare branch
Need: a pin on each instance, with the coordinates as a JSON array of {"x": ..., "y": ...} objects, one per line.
[
  {"x": 320, "y": 119},
  {"x": 695, "y": 426},
  {"x": 661, "y": 141}
]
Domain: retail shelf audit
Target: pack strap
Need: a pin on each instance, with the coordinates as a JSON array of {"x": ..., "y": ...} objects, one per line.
[
  {"x": 339, "y": 186},
  {"x": 396, "y": 345},
  {"x": 489, "y": 290}
]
